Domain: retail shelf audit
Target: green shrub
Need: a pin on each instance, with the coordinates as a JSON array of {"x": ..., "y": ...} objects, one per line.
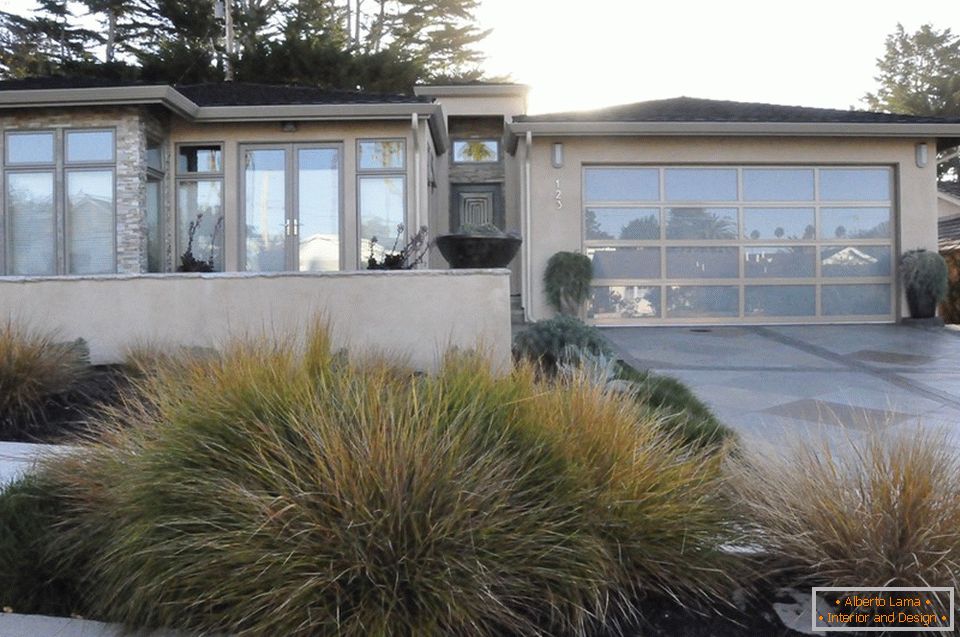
[
  {"x": 273, "y": 492},
  {"x": 684, "y": 415},
  {"x": 32, "y": 579},
  {"x": 884, "y": 510},
  {"x": 550, "y": 342},
  {"x": 924, "y": 276},
  {"x": 34, "y": 369},
  {"x": 567, "y": 281}
]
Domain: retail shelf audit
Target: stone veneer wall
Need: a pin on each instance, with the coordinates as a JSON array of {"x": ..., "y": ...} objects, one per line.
[{"x": 130, "y": 124}]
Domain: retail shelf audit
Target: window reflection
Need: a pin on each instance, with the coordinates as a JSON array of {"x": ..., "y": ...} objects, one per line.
[
  {"x": 701, "y": 223},
  {"x": 638, "y": 224},
  {"x": 90, "y": 222},
  {"x": 624, "y": 301},
  {"x": 30, "y": 222}
]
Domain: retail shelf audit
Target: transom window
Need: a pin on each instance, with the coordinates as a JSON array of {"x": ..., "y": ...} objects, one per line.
[
  {"x": 721, "y": 243},
  {"x": 74, "y": 233},
  {"x": 476, "y": 151}
]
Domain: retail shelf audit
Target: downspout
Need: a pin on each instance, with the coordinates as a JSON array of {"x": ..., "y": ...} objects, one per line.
[
  {"x": 415, "y": 125},
  {"x": 527, "y": 225}
]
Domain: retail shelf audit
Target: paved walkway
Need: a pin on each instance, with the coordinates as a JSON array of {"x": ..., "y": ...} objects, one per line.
[
  {"x": 19, "y": 457},
  {"x": 774, "y": 382}
]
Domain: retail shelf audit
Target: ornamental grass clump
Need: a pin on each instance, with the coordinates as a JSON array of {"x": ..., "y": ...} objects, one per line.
[
  {"x": 35, "y": 369},
  {"x": 282, "y": 489},
  {"x": 879, "y": 512}
]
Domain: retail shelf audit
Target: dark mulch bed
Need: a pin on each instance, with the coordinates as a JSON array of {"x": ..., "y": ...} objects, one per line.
[
  {"x": 69, "y": 414},
  {"x": 666, "y": 618}
]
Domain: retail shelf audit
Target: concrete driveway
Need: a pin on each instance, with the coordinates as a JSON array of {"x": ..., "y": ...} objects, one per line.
[{"x": 772, "y": 383}]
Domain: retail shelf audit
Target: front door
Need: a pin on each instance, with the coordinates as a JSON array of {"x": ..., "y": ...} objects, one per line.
[
  {"x": 476, "y": 205},
  {"x": 291, "y": 207}
]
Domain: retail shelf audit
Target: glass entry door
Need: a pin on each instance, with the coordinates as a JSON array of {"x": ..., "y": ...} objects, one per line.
[{"x": 291, "y": 206}]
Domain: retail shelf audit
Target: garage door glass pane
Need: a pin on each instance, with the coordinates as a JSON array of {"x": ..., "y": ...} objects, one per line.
[
  {"x": 701, "y": 184},
  {"x": 621, "y": 184},
  {"x": 638, "y": 224},
  {"x": 855, "y": 184},
  {"x": 855, "y": 261},
  {"x": 782, "y": 224},
  {"x": 851, "y": 300},
  {"x": 855, "y": 223},
  {"x": 703, "y": 263},
  {"x": 778, "y": 184},
  {"x": 779, "y": 261},
  {"x": 625, "y": 263},
  {"x": 780, "y": 300},
  {"x": 696, "y": 224},
  {"x": 694, "y": 301},
  {"x": 620, "y": 302}
]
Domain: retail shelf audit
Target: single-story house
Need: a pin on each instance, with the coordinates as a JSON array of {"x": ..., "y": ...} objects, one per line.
[{"x": 693, "y": 211}]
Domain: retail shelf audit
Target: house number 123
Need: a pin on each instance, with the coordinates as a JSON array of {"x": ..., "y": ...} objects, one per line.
[{"x": 558, "y": 196}]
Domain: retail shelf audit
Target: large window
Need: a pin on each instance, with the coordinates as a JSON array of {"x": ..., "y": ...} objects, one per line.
[
  {"x": 200, "y": 203},
  {"x": 381, "y": 192},
  {"x": 722, "y": 243},
  {"x": 49, "y": 234}
]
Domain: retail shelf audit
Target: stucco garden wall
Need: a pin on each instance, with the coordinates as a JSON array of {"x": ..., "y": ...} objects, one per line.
[
  {"x": 915, "y": 193},
  {"x": 417, "y": 314}
]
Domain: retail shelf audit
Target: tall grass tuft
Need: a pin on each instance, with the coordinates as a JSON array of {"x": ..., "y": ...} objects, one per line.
[
  {"x": 884, "y": 512},
  {"x": 281, "y": 489},
  {"x": 35, "y": 368}
]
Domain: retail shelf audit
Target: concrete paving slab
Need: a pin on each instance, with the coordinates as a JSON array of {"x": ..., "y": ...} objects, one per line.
[
  {"x": 769, "y": 381},
  {"x": 14, "y": 625}
]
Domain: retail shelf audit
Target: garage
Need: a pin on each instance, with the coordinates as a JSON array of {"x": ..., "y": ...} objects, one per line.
[{"x": 688, "y": 244}]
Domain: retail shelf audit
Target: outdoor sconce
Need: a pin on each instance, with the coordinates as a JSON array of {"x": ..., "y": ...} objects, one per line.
[
  {"x": 289, "y": 127},
  {"x": 921, "y": 155},
  {"x": 557, "y": 158}
]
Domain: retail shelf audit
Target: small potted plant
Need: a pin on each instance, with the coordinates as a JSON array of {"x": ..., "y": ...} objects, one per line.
[
  {"x": 188, "y": 261},
  {"x": 399, "y": 258},
  {"x": 483, "y": 246},
  {"x": 567, "y": 282},
  {"x": 924, "y": 276}
]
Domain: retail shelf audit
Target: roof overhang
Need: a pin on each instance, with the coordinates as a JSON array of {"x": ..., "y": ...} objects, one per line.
[
  {"x": 161, "y": 94},
  {"x": 948, "y": 198},
  {"x": 947, "y": 135},
  {"x": 168, "y": 97},
  {"x": 471, "y": 90}
]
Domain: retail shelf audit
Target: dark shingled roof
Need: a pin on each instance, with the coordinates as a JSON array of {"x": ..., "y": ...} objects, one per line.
[
  {"x": 689, "y": 109},
  {"x": 225, "y": 93},
  {"x": 951, "y": 188},
  {"x": 949, "y": 232},
  {"x": 249, "y": 94},
  {"x": 948, "y": 228}
]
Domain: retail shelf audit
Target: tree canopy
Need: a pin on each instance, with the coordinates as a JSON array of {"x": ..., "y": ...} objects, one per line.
[
  {"x": 919, "y": 74},
  {"x": 374, "y": 45}
]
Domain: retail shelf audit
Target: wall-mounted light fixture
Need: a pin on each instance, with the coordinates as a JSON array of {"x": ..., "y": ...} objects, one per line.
[
  {"x": 922, "y": 157},
  {"x": 557, "y": 157},
  {"x": 289, "y": 127}
]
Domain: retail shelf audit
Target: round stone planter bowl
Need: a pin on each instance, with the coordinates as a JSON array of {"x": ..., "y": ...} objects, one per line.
[{"x": 473, "y": 251}]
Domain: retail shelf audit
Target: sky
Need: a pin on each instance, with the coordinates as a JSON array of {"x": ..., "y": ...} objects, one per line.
[{"x": 577, "y": 55}]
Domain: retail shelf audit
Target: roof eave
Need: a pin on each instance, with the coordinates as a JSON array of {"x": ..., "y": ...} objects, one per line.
[
  {"x": 471, "y": 90},
  {"x": 815, "y": 129},
  {"x": 100, "y": 96}
]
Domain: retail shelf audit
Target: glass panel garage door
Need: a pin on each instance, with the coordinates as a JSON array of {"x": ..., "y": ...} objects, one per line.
[{"x": 726, "y": 244}]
